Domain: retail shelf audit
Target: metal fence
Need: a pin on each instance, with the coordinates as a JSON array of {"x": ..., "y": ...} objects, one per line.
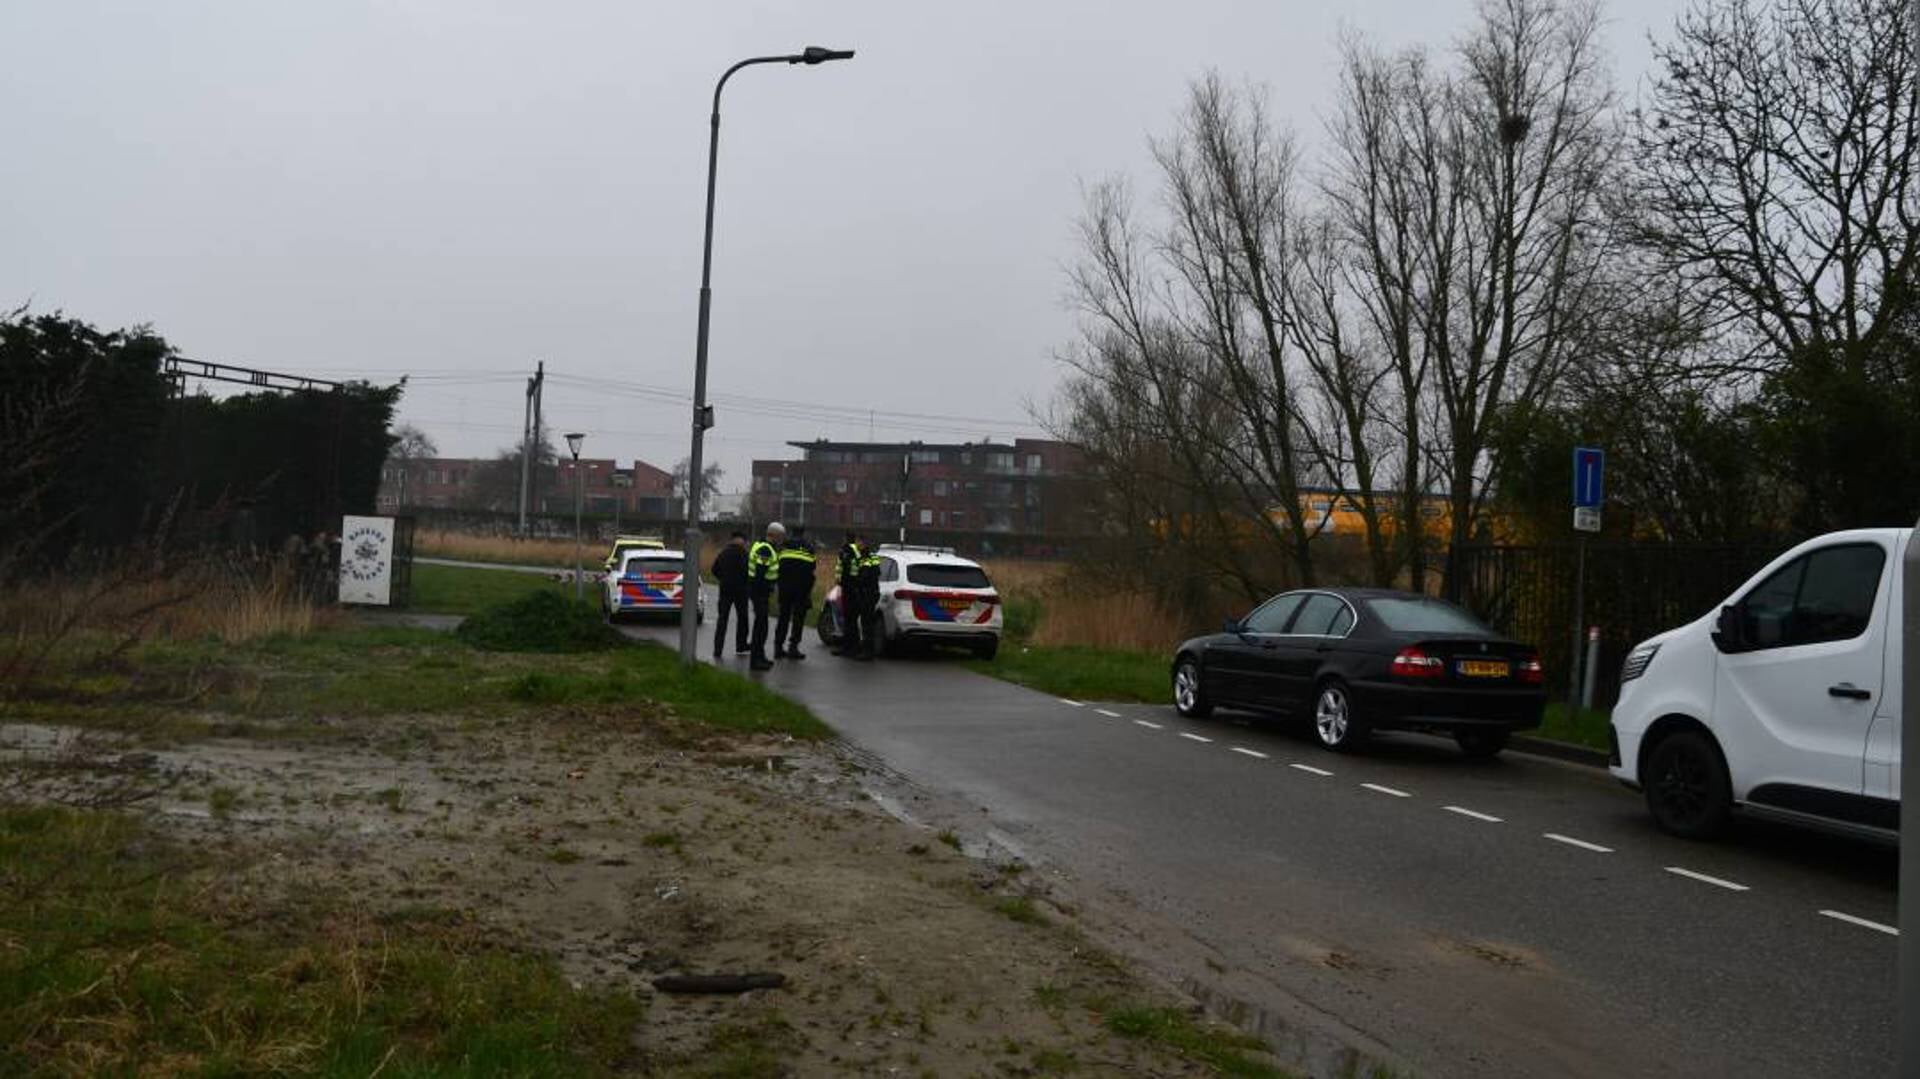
[{"x": 1633, "y": 591}]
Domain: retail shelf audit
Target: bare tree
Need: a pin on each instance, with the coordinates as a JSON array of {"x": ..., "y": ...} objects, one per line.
[
  {"x": 410, "y": 446},
  {"x": 1513, "y": 262},
  {"x": 1776, "y": 171},
  {"x": 709, "y": 480}
]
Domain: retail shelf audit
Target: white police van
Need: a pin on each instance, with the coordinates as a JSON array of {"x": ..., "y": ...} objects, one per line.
[{"x": 1785, "y": 703}]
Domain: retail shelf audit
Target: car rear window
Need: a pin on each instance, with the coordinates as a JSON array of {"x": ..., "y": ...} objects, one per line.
[
  {"x": 653, "y": 565},
  {"x": 1427, "y": 616},
  {"x": 943, "y": 575}
]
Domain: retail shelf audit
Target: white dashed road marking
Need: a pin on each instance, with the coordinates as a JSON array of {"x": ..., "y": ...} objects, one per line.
[
  {"x": 1581, "y": 843},
  {"x": 1704, "y": 879},
  {"x": 1194, "y": 737},
  {"x": 1489, "y": 818},
  {"x": 1386, "y": 790},
  {"x": 1861, "y": 922},
  {"x": 1311, "y": 768},
  {"x": 1109, "y": 715},
  {"x": 1249, "y": 752},
  {"x": 1149, "y": 726},
  {"x": 1076, "y": 704}
]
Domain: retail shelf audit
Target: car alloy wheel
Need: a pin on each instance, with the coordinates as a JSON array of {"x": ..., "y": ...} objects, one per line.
[
  {"x": 1189, "y": 694},
  {"x": 1333, "y": 718}
]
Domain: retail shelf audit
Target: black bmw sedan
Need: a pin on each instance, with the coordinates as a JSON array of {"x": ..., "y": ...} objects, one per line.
[{"x": 1358, "y": 660}]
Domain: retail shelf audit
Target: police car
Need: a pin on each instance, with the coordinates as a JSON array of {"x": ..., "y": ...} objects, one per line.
[
  {"x": 649, "y": 581},
  {"x": 625, "y": 545},
  {"x": 929, "y": 595}
]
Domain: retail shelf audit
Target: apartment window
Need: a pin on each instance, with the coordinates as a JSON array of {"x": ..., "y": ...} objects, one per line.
[
  {"x": 1003, "y": 491},
  {"x": 958, "y": 518},
  {"x": 926, "y": 517},
  {"x": 873, "y": 458},
  {"x": 773, "y": 483},
  {"x": 926, "y": 457},
  {"x": 840, "y": 485},
  {"x": 1033, "y": 462},
  {"x": 859, "y": 515},
  {"x": 966, "y": 457},
  {"x": 759, "y": 483},
  {"x": 940, "y": 488},
  {"x": 1002, "y": 461}
]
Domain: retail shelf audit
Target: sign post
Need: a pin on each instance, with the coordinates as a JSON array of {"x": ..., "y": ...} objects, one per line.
[
  {"x": 366, "y": 560},
  {"x": 1589, "y": 491}
]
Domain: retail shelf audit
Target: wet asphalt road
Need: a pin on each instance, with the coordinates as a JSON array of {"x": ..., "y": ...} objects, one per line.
[{"x": 1513, "y": 917}]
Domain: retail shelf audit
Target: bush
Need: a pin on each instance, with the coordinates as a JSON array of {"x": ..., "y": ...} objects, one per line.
[{"x": 538, "y": 622}]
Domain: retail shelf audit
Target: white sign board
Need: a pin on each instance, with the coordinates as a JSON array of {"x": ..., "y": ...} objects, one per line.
[
  {"x": 366, "y": 560},
  {"x": 1586, "y": 519}
]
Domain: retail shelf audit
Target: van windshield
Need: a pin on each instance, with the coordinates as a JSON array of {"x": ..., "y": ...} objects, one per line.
[{"x": 940, "y": 575}]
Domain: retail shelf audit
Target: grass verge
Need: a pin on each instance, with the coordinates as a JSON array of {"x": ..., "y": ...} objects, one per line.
[
  {"x": 396, "y": 671},
  {"x": 1578, "y": 726},
  {"x": 1093, "y": 674},
  {"x": 1221, "y": 1048},
  {"x": 459, "y": 590},
  {"x": 118, "y": 962}
]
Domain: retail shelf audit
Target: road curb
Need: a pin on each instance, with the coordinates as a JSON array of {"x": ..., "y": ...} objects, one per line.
[{"x": 1561, "y": 751}]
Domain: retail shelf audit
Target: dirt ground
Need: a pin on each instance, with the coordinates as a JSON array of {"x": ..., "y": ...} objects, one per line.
[{"x": 629, "y": 853}]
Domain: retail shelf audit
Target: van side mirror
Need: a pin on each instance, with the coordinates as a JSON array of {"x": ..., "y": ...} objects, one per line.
[
  {"x": 1233, "y": 626},
  {"x": 1727, "y": 631}
]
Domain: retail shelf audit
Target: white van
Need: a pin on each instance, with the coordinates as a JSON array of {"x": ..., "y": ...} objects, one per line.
[{"x": 1785, "y": 703}]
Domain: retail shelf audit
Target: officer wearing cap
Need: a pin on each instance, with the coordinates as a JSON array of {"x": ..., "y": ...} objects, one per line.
[
  {"x": 796, "y": 594},
  {"x": 763, "y": 576}
]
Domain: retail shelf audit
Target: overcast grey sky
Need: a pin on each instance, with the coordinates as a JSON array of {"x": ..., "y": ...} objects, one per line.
[{"x": 456, "y": 188}]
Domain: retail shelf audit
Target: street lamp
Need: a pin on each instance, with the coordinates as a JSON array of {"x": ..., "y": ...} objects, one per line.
[
  {"x": 579, "y": 496},
  {"x": 702, "y": 413}
]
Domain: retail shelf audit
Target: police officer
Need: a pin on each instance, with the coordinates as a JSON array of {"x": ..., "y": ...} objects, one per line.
[
  {"x": 796, "y": 594},
  {"x": 730, "y": 570},
  {"x": 869, "y": 603},
  {"x": 763, "y": 576},
  {"x": 847, "y": 575}
]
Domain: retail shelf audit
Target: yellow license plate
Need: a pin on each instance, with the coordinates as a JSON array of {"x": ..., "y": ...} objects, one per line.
[
  {"x": 1484, "y": 668},
  {"x": 956, "y": 606}
]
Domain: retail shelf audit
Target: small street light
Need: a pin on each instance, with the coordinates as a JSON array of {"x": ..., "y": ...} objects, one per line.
[
  {"x": 579, "y": 496},
  {"x": 702, "y": 412}
]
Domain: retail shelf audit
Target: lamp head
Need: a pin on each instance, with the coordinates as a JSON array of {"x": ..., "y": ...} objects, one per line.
[
  {"x": 814, "y": 54},
  {"x": 573, "y": 443}
]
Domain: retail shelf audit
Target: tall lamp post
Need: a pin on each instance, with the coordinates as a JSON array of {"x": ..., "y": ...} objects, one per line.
[
  {"x": 702, "y": 413},
  {"x": 579, "y": 497}
]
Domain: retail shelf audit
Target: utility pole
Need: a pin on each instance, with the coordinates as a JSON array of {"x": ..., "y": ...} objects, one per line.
[
  {"x": 529, "y": 438},
  {"x": 906, "y": 471}
]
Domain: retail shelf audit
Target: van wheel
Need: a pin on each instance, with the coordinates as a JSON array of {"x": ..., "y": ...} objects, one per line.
[
  {"x": 1333, "y": 720},
  {"x": 1189, "y": 691},
  {"x": 1688, "y": 791}
]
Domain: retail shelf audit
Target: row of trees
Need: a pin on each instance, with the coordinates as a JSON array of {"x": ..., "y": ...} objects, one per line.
[
  {"x": 97, "y": 451},
  {"x": 1488, "y": 258}
]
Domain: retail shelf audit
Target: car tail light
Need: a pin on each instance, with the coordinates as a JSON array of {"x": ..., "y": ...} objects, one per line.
[
  {"x": 1530, "y": 671},
  {"x": 908, "y": 594},
  {"x": 1416, "y": 663}
]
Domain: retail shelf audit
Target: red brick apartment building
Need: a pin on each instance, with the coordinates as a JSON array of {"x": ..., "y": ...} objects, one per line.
[
  {"x": 480, "y": 483},
  {"x": 1026, "y": 487}
]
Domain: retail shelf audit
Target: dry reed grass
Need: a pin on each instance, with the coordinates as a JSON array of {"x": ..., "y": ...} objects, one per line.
[
  {"x": 1072, "y": 610},
  {"x": 202, "y": 601},
  {"x": 434, "y": 543}
]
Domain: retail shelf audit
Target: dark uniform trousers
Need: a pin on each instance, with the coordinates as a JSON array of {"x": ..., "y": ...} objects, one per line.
[{"x": 733, "y": 602}]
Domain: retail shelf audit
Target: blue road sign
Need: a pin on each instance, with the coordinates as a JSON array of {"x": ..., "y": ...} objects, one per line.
[{"x": 1589, "y": 468}]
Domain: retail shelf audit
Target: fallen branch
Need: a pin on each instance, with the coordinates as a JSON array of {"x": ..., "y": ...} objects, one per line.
[{"x": 717, "y": 983}]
